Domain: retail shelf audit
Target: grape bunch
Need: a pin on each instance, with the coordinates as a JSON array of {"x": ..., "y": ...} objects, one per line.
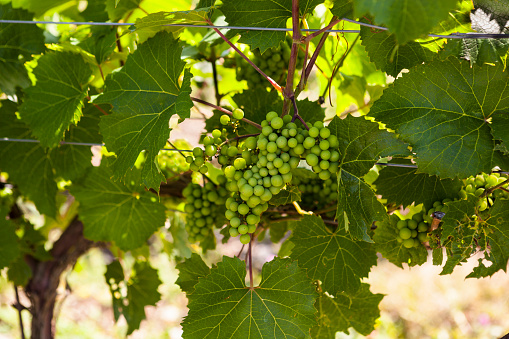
[
  {"x": 413, "y": 232},
  {"x": 260, "y": 172},
  {"x": 479, "y": 184},
  {"x": 273, "y": 62},
  {"x": 317, "y": 193},
  {"x": 204, "y": 207}
]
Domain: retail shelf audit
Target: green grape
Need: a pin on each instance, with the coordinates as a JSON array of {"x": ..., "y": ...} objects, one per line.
[
  {"x": 242, "y": 229},
  {"x": 412, "y": 224},
  {"x": 225, "y": 119},
  {"x": 238, "y": 114},
  {"x": 277, "y": 123},
  {"x": 233, "y": 232},
  {"x": 401, "y": 224},
  {"x": 408, "y": 243},
  {"x": 245, "y": 239},
  {"x": 405, "y": 233}
]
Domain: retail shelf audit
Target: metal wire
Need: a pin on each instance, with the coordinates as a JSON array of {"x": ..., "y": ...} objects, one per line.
[{"x": 250, "y": 28}]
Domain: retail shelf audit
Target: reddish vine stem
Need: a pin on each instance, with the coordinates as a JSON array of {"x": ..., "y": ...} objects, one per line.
[
  {"x": 224, "y": 110},
  {"x": 334, "y": 21},
  {"x": 296, "y": 113},
  {"x": 97, "y": 106},
  {"x": 272, "y": 82},
  {"x": 490, "y": 190},
  {"x": 250, "y": 255},
  {"x": 288, "y": 92}
]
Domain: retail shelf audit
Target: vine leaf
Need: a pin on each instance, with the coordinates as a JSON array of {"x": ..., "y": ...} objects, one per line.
[
  {"x": 111, "y": 211},
  {"x": 343, "y": 9},
  {"x": 335, "y": 259},
  {"x": 190, "y": 271},
  {"x": 386, "y": 243},
  {"x": 407, "y": 19},
  {"x": 71, "y": 161},
  {"x": 156, "y": 22},
  {"x": 145, "y": 94},
  {"x": 55, "y": 101},
  {"x": 222, "y": 307},
  {"x": 458, "y": 218},
  {"x": 500, "y": 127},
  {"x": 17, "y": 44},
  {"x": 100, "y": 43},
  {"x": 362, "y": 143},
  {"x": 337, "y": 314},
  {"x": 141, "y": 291},
  {"x": 9, "y": 245},
  {"x": 269, "y": 13},
  {"x": 286, "y": 196},
  {"x": 28, "y": 164},
  {"x": 441, "y": 109},
  {"x": 498, "y": 239},
  {"x": 390, "y": 57},
  {"x": 404, "y": 186},
  {"x": 358, "y": 207}
]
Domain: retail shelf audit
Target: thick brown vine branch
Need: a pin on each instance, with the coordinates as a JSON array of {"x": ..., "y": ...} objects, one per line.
[
  {"x": 42, "y": 287},
  {"x": 224, "y": 110}
]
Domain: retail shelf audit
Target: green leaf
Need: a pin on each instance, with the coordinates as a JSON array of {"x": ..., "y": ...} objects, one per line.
[
  {"x": 343, "y": 9},
  {"x": 404, "y": 186},
  {"x": 27, "y": 163},
  {"x": 9, "y": 246},
  {"x": 362, "y": 143},
  {"x": 17, "y": 44},
  {"x": 141, "y": 291},
  {"x": 407, "y": 19},
  {"x": 344, "y": 311},
  {"x": 386, "y": 243},
  {"x": 101, "y": 43},
  {"x": 111, "y": 211},
  {"x": 385, "y": 52},
  {"x": 151, "y": 76},
  {"x": 335, "y": 259},
  {"x": 278, "y": 230},
  {"x": 269, "y": 13},
  {"x": 500, "y": 127},
  {"x": 286, "y": 196},
  {"x": 498, "y": 241},
  {"x": 190, "y": 271},
  {"x": 19, "y": 272},
  {"x": 71, "y": 161},
  {"x": 441, "y": 109},
  {"x": 358, "y": 207},
  {"x": 156, "y": 22},
  {"x": 55, "y": 102},
  {"x": 223, "y": 307},
  {"x": 95, "y": 11},
  {"x": 458, "y": 219},
  {"x": 117, "y": 9}
]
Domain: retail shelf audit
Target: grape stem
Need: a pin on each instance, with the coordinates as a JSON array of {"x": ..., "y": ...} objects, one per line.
[
  {"x": 219, "y": 108},
  {"x": 19, "y": 308},
  {"x": 296, "y": 113},
  {"x": 334, "y": 21},
  {"x": 490, "y": 190},
  {"x": 300, "y": 210},
  {"x": 272, "y": 82},
  {"x": 214, "y": 74}
]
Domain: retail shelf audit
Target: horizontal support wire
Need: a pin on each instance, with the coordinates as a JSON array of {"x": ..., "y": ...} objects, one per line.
[
  {"x": 188, "y": 150},
  {"x": 277, "y": 29}
]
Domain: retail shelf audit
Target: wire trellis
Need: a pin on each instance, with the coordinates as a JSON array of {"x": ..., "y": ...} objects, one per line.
[
  {"x": 189, "y": 150},
  {"x": 472, "y": 35}
]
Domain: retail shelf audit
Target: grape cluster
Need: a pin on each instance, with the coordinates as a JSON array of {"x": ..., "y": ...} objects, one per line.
[
  {"x": 413, "y": 232},
  {"x": 317, "y": 193},
  {"x": 479, "y": 184},
  {"x": 261, "y": 171},
  {"x": 204, "y": 206},
  {"x": 273, "y": 62}
]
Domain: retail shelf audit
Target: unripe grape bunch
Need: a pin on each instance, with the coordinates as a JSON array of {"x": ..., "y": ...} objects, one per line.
[
  {"x": 479, "y": 184},
  {"x": 257, "y": 167},
  {"x": 204, "y": 206}
]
